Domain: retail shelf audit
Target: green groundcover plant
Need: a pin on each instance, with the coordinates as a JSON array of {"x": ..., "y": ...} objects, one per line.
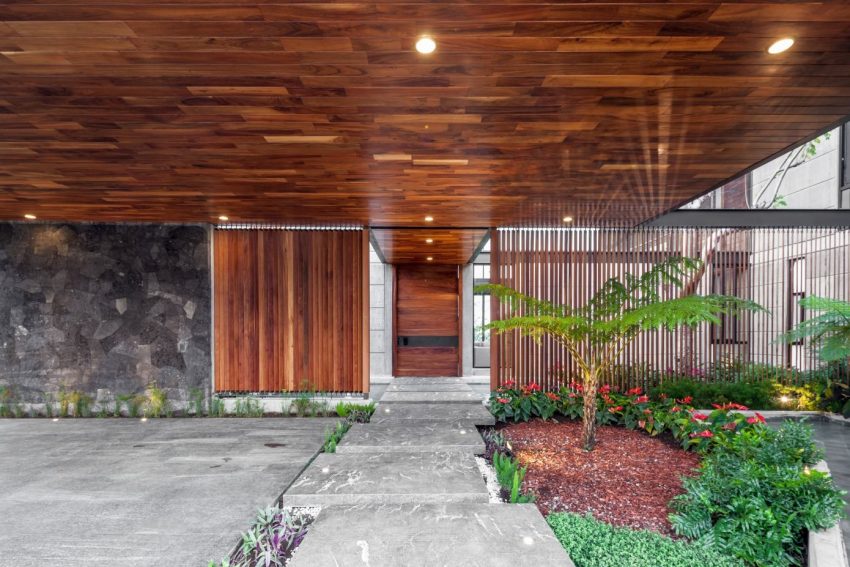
[{"x": 591, "y": 543}]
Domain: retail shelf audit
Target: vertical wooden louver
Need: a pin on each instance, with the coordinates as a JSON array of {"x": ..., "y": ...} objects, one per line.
[
  {"x": 291, "y": 310},
  {"x": 771, "y": 266}
]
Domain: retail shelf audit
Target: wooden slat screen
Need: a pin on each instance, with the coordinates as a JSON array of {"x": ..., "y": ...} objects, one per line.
[
  {"x": 291, "y": 310},
  {"x": 774, "y": 267}
]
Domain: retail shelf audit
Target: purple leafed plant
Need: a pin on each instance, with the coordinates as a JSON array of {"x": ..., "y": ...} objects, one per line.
[{"x": 270, "y": 542}]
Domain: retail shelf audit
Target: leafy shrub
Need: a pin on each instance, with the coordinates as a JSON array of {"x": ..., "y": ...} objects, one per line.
[
  {"x": 755, "y": 497},
  {"x": 157, "y": 404},
  {"x": 591, "y": 543},
  {"x": 270, "y": 541},
  {"x": 755, "y": 395}
]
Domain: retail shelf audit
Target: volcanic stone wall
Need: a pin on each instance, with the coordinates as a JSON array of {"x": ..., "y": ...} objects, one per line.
[{"x": 104, "y": 307}]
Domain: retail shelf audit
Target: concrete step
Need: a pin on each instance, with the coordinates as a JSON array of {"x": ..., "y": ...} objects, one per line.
[
  {"x": 411, "y": 437},
  {"x": 466, "y": 396},
  {"x": 427, "y": 535},
  {"x": 388, "y": 478},
  {"x": 452, "y": 387},
  {"x": 473, "y": 414}
]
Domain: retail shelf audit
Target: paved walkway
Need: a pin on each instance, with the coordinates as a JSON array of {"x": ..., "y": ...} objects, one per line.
[
  {"x": 405, "y": 490},
  {"x": 106, "y": 492},
  {"x": 835, "y": 439}
]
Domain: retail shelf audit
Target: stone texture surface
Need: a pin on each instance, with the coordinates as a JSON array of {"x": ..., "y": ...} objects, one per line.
[
  {"x": 388, "y": 478},
  {"x": 426, "y": 535},
  {"x": 475, "y": 414},
  {"x": 834, "y": 437},
  {"x": 431, "y": 397},
  {"x": 96, "y": 306},
  {"x": 107, "y": 492},
  {"x": 404, "y": 437}
]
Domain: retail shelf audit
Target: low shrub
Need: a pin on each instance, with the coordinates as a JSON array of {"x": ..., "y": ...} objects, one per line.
[
  {"x": 591, "y": 543},
  {"x": 755, "y": 395},
  {"x": 755, "y": 496},
  {"x": 157, "y": 404},
  {"x": 633, "y": 410}
]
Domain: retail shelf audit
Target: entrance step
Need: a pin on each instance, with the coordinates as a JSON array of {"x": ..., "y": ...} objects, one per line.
[
  {"x": 411, "y": 437},
  {"x": 473, "y": 414},
  {"x": 449, "y": 387},
  {"x": 425, "y": 535},
  {"x": 431, "y": 397},
  {"x": 388, "y": 478}
]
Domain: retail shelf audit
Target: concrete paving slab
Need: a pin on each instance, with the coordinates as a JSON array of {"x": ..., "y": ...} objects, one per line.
[
  {"x": 431, "y": 397},
  {"x": 453, "y": 387},
  {"x": 426, "y": 535},
  {"x": 388, "y": 478},
  {"x": 106, "y": 492},
  {"x": 427, "y": 381},
  {"x": 476, "y": 413},
  {"x": 404, "y": 437}
]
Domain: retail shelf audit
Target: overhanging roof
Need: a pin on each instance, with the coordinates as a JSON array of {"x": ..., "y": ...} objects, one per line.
[{"x": 298, "y": 113}]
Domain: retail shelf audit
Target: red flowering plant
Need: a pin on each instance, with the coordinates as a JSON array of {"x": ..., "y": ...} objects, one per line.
[{"x": 699, "y": 431}]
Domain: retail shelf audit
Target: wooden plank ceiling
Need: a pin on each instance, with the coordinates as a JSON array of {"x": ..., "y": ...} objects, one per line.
[
  {"x": 416, "y": 246},
  {"x": 273, "y": 111}
]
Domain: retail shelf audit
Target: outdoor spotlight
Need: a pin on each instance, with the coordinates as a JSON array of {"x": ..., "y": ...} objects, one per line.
[{"x": 784, "y": 399}]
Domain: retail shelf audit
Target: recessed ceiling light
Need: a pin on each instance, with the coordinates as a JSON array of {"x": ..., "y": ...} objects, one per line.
[
  {"x": 29, "y": 216},
  {"x": 426, "y": 45},
  {"x": 224, "y": 218},
  {"x": 781, "y": 45},
  {"x": 429, "y": 241},
  {"x": 567, "y": 219},
  {"x": 430, "y": 258},
  {"x": 429, "y": 218}
]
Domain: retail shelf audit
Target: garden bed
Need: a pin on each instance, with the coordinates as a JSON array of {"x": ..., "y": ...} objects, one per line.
[{"x": 628, "y": 480}]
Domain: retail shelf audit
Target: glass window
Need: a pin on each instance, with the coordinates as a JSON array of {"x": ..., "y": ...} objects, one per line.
[{"x": 480, "y": 318}]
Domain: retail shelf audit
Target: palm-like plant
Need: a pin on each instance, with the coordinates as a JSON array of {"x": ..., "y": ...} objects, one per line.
[
  {"x": 829, "y": 331},
  {"x": 597, "y": 333}
]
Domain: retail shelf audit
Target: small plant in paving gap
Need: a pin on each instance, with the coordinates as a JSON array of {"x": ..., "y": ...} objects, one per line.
[
  {"x": 597, "y": 333},
  {"x": 358, "y": 413},
  {"x": 270, "y": 541},
  {"x": 334, "y": 436}
]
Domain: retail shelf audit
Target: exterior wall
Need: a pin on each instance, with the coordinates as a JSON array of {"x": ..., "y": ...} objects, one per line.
[
  {"x": 380, "y": 315},
  {"x": 811, "y": 185},
  {"x": 95, "y": 306}
]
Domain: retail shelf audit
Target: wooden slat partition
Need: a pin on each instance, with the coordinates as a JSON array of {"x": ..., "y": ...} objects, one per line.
[
  {"x": 773, "y": 267},
  {"x": 291, "y": 310}
]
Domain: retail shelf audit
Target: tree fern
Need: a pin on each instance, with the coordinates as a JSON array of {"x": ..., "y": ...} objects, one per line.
[{"x": 595, "y": 334}]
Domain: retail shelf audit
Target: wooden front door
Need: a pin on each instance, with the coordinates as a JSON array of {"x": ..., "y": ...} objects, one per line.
[{"x": 427, "y": 308}]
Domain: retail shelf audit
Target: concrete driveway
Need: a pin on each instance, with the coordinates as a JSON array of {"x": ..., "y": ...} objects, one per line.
[{"x": 175, "y": 492}]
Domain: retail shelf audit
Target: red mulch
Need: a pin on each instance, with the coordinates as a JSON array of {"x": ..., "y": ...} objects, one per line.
[{"x": 627, "y": 480}]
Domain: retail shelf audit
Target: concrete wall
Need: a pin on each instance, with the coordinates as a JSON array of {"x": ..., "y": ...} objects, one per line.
[
  {"x": 380, "y": 319},
  {"x": 813, "y": 184},
  {"x": 96, "y": 306}
]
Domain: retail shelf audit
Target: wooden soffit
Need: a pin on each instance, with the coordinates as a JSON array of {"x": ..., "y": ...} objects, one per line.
[
  {"x": 416, "y": 246},
  {"x": 303, "y": 113}
]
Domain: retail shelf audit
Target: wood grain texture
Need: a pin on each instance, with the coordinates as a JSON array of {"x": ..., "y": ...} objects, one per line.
[
  {"x": 526, "y": 112},
  {"x": 568, "y": 266},
  {"x": 411, "y": 246},
  {"x": 290, "y": 311},
  {"x": 426, "y": 304}
]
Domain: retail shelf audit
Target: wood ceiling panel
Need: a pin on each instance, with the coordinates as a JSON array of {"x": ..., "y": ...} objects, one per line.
[
  {"x": 280, "y": 112},
  {"x": 411, "y": 246}
]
